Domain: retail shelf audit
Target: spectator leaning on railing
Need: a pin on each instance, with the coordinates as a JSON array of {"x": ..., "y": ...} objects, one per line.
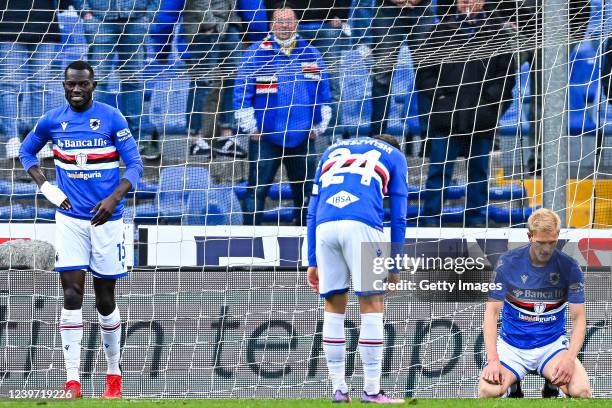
[
  {"x": 281, "y": 100},
  {"x": 467, "y": 83},
  {"x": 118, "y": 28},
  {"x": 29, "y": 35}
]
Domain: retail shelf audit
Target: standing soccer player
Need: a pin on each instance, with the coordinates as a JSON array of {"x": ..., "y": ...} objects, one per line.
[
  {"x": 345, "y": 216},
  {"x": 537, "y": 282},
  {"x": 88, "y": 140}
]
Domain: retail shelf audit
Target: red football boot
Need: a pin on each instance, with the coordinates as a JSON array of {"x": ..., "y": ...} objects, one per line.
[
  {"x": 72, "y": 389},
  {"x": 113, "y": 387}
]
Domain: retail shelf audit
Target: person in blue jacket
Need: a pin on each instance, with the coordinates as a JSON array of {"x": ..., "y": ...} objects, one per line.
[{"x": 282, "y": 101}]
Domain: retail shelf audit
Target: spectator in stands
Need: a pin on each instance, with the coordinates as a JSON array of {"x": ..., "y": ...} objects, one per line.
[
  {"x": 465, "y": 99},
  {"x": 281, "y": 100},
  {"x": 393, "y": 22},
  {"x": 29, "y": 39},
  {"x": 117, "y": 29},
  {"x": 205, "y": 22},
  {"x": 324, "y": 25}
]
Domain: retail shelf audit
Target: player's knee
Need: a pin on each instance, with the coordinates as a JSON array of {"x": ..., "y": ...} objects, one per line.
[
  {"x": 581, "y": 391},
  {"x": 73, "y": 297},
  {"x": 487, "y": 390},
  {"x": 105, "y": 305}
]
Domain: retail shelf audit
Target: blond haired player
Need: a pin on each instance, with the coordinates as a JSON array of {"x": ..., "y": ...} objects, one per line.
[{"x": 538, "y": 282}]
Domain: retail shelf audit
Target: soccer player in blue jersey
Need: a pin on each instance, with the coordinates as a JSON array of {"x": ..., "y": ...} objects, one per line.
[
  {"x": 88, "y": 139},
  {"x": 536, "y": 283},
  {"x": 345, "y": 218}
]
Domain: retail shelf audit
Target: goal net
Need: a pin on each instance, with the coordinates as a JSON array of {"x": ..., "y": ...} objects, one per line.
[{"x": 216, "y": 303}]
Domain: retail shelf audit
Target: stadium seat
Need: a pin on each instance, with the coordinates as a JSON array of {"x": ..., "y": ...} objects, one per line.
[
  {"x": 18, "y": 190},
  {"x": 146, "y": 213},
  {"x": 144, "y": 190},
  {"x": 509, "y": 192},
  {"x": 216, "y": 206},
  {"x": 583, "y": 88},
  {"x": 44, "y": 213},
  {"x": 278, "y": 215},
  {"x": 168, "y": 100},
  {"x": 509, "y": 122},
  {"x": 17, "y": 212},
  {"x": 505, "y": 215},
  {"x": 175, "y": 186}
]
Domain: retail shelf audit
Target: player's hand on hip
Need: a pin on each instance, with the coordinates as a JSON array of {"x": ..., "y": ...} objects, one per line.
[
  {"x": 104, "y": 210},
  {"x": 255, "y": 136},
  {"x": 562, "y": 373},
  {"x": 312, "y": 135},
  {"x": 55, "y": 195},
  {"x": 493, "y": 373},
  {"x": 312, "y": 277}
]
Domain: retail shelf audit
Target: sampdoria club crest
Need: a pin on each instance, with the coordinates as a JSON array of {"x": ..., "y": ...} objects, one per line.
[{"x": 94, "y": 124}]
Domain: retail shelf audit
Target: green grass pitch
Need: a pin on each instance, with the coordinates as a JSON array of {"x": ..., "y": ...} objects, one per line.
[{"x": 301, "y": 403}]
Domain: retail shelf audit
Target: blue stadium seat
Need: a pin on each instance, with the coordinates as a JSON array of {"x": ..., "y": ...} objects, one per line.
[
  {"x": 146, "y": 213},
  {"x": 514, "y": 216},
  {"x": 17, "y": 212},
  {"x": 168, "y": 101},
  {"x": 280, "y": 191},
  {"x": 584, "y": 85},
  {"x": 144, "y": 190},
  {"x": 216, "y": 206},
  {"x": 44, "y": 213},
  {"x": 175, "y": 186},
  {"x": 509, "y": 192},
  {"x": 508, "y": 123},
  {"x": 278, "y": 215}
]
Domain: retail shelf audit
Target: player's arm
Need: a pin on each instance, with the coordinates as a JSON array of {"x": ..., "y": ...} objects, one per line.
[
  {"x": 398, "y": 205},
  {"x": 323, "y": 99},
  {"x": 128, "y": 151},
  {"x": 312, "y": 276},
  {"x": 32, "y": 144},
  {"x": 564, "y": 370},
  {"x": 492, "y": 373},
  {"x": 244, "y": 93}
]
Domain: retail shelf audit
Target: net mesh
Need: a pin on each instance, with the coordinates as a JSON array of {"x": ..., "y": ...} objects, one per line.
[{"x": 187, "y": 332}]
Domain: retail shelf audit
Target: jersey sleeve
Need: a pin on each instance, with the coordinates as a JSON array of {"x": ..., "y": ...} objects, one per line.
[
  {"x": 36, "y": 140},
  {"x": 575, "y": 288},
  {"x": 398, "y": 196},
  {"x": 127, "y": 149},
  {"x": 311, "y": 218},
  {"x": 499, "y": 274},
  {"x": 398, "y": 183}
]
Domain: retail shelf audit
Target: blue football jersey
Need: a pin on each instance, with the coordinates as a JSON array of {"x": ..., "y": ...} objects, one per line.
[
  {"x": 535, "y": 298},
  {"x": 353, "y": 178},
  {"x": 87, "y": 147}
]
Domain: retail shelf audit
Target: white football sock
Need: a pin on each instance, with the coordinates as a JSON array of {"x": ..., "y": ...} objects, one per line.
[
  {"x": 334, "y": 346},
  {"x": 110, "y": 329},
  {"x": 71, "y": 330},
  {"x": 371, "y": 340}
]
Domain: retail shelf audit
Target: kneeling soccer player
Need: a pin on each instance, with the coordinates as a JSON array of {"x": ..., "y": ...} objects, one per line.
[
  {"x": 345, "y": 217},
  {"x": 537, "y": 283}
]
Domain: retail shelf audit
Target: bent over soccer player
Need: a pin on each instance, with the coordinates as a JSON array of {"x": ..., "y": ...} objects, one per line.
[
  {"x": 88, "y": 140},
  {"x": 537, "y": 281},
  {"x": 345, "y": 216}
]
